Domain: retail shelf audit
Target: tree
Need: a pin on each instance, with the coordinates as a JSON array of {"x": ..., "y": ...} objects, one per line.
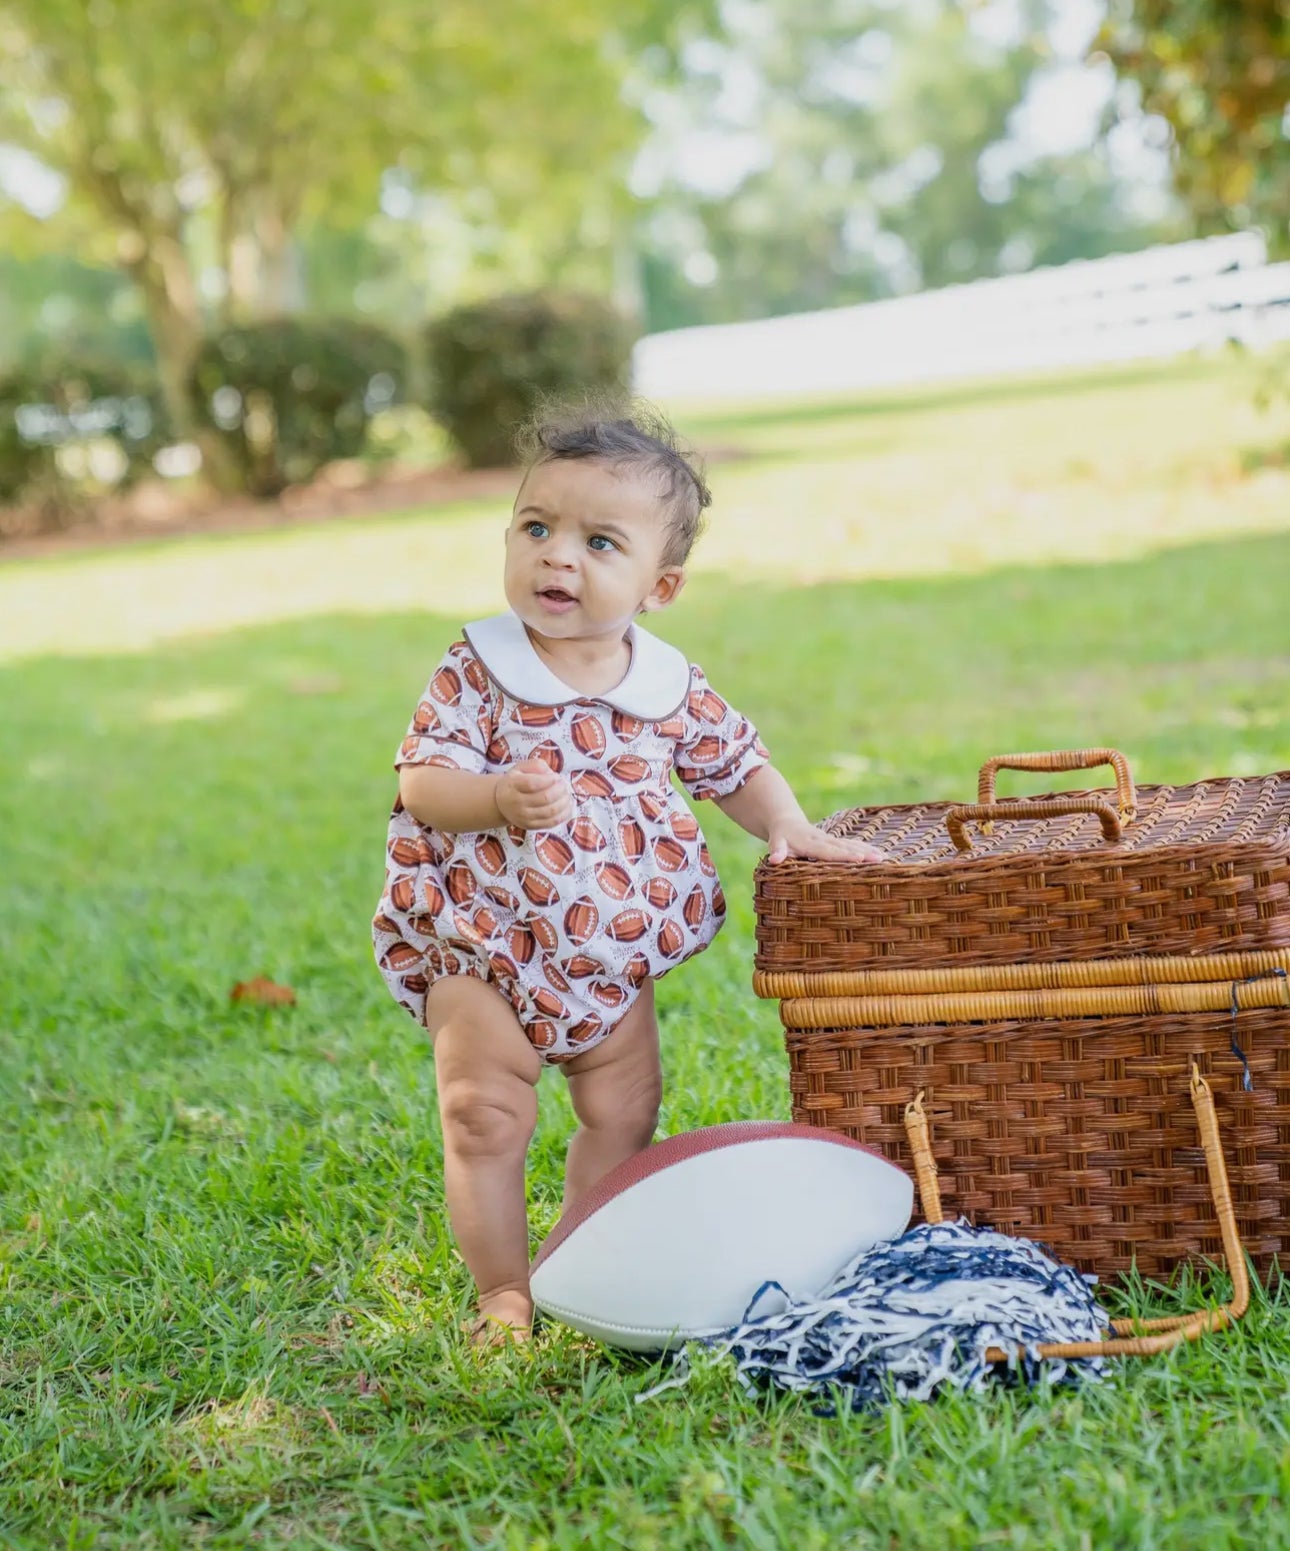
[
  {"x": 191, "y": 129},
  {"x": 1219, "y": 73},
  {"x": 867, "y": 131}
]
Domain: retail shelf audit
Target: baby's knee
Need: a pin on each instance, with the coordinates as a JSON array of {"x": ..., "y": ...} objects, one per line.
[
  {"x": 487, "y": 1120},
  {"x": 629, "y": 1105}
]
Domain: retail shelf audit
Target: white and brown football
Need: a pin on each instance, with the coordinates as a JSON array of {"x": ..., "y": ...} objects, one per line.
[{"x": 675, "y": 1242}]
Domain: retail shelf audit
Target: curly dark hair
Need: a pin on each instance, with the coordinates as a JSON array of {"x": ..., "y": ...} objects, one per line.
[{"x": 625, "y": 433}]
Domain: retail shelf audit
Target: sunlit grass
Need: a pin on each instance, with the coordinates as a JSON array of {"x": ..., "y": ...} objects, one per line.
[
  {"x": 1067, "y": 468},
  {"x": 230, "y": 1302}
]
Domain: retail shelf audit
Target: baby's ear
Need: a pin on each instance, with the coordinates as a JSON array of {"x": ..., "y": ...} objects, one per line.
[{"x": 665, "y": 590}]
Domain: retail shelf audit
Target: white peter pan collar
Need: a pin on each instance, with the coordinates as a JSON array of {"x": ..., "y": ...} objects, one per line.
[{"x": 655, "y": 685}]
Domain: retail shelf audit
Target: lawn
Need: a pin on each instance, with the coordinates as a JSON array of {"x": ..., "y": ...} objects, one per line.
[{"x": 230, "y": 1304}]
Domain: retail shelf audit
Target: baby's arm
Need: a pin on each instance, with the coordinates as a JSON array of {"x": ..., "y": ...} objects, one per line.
[
  {"x": 766, "y": 807},
  {"x": 529, "y": 795}
]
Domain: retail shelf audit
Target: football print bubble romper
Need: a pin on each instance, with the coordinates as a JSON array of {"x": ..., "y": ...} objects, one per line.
[{"x": 567, "y": 922}]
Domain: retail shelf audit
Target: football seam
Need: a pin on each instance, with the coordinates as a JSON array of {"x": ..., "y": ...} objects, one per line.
[{"x": 564, "y": 1312}]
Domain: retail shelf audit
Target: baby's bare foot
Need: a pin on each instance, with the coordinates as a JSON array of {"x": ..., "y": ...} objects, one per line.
[{"x": 504, "y": 1319}]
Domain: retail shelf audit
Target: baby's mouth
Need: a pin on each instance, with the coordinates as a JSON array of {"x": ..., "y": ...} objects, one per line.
[{"x": 556, "y": 595}]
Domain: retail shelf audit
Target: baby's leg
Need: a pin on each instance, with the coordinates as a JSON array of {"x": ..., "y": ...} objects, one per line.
[
  {"x": 615, "y": 1089},
  {"x": 487, "y": 1073}
]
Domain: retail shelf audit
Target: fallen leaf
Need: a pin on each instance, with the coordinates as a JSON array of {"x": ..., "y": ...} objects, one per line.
[{"x": 267, "y": 992}]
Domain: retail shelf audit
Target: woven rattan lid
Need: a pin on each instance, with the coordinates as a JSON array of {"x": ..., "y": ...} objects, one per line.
[{"x": 1220, "y": 811}]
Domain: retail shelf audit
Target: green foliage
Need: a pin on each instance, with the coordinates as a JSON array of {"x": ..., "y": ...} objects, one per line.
[
  {"x": 885, "y": 163},
  {"x": 71, "y": 430},
  {"x": 491, "y": 363},
  {"x": 288, "y": 396},
  {"x": 1218, "y": 73}
]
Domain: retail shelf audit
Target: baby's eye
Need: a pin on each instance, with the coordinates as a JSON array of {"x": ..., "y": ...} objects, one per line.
[
  {"x": 600, "y": 542},
  {"x": 536, "y": 530}
]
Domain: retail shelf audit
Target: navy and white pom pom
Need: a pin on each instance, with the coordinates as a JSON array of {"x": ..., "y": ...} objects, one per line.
[{"x": 909, "y": 1317}]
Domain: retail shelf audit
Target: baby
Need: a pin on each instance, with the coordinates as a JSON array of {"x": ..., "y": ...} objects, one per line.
[{"x": 543, "y": 872}]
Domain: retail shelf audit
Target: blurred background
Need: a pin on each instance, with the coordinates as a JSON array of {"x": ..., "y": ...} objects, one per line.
[{"x": 257, "y": 247}]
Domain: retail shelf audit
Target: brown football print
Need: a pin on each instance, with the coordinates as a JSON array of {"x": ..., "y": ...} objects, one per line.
[
  {"x": 460, "y": 883},
  {"x": 403, "y": 891},
  {"x": 684, "y": 825},
  {"x": 711, "y": 708},
  {"x": 586, "y": 835},
  {"x": 581, "y": 965},
  {"x": 410, "y": 851},
  {"x": 538, "y": 888},
  {"x": 466, "y": 928},
  {"x": 401, "y": 957},
  {"x": 445, "y": 687},
  {"x": 538, "y": 715},
  {"x": 515, "y": 833},
  {"x": 628, "y": 926},
  {"x": 629, "y": 768},
  {"x": 550, "y": 755},
  {"x": 544, "y": 930},
  {"x": 548, "y": 1003},
  {"x": 609, "y": 992},
  {"x": 706, "y": 750},
  {"x": 522, "y": 944},
  {"x": 585, "y": 1029},
  {"x": 653, "y": 806},
  {"x": 502, "y": 967},
  {"x": 502, "y": 898},
  {"x": 484, "y": 921},
  {"x": 588, "y": 735},
  {"x": 632, "y": 839},
  {"x": 636, "y": 970},
  {"x": 423, "y": 926},
  {"x": 382, "y": 923},
  {"x": 718, "y": 902},
  {"x": 581, "y": 920},
  {"x": 417, "y": 984},
  {"x": 706, "y": 862},
  {"x": 627, "y": 727},
  {"x": 673, "y": 727},
  {"x": 695, "y": 909},
  {"x": 409, "y": 746},
  {"x": 490, "y": 855},
  {"x": 614, "y": 880},
  {"x": 425, "y": 718},
  {"x": 542, "y": 1033},
  {"x": 670, "y": 939},
  {"x": 590, "y": 783},
  {"x": 660, "y": 893},
  {"x": 498, "y": 752},
  {"x": 669, "y": 854},
  {"x": 432, "y": 897},
  {"x": 556, "y": 853},
  {"x": 475, "y": 675},
  {"x": 554, "y": 976}
]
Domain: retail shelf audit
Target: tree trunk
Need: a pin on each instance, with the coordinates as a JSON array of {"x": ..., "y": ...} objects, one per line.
[{"x": 164, "y": 276}]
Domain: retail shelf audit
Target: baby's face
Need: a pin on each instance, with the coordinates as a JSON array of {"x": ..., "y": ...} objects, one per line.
[{"x": 584, "y": 551}]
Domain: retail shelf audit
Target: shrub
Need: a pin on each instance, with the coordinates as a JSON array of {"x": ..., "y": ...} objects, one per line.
[
  {"x": 71, "y": 430},
  {"x": 289, "y": 395},
  {"x": 491, "y": 363}
]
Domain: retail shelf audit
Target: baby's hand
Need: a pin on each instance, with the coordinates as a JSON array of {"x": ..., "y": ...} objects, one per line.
[
  {"x": 532, "y": 796},
  {"x": 796, "y": 837}
]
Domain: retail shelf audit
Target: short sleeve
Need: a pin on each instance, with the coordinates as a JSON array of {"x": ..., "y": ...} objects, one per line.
[
  {"x": 719, "y": 749},
  {"x": 452, "y": 724}
]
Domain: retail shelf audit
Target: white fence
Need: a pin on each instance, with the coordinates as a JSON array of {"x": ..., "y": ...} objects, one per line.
[{"x": 1162, "y": 302}]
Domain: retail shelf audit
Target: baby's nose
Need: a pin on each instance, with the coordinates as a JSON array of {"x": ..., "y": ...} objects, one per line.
[{"x": 559, "y": 555}]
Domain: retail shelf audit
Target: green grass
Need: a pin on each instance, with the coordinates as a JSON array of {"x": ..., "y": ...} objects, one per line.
[{"x": 230, "y": 1302}]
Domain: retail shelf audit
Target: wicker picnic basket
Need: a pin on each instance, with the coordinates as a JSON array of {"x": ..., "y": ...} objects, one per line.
[{"x": 1049, "y": 986}]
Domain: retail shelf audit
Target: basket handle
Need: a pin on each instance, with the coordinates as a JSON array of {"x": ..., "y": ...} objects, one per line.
[
  {"x": 1029, "y": 808},
  {"x": 1130, "y": 1342},
  {"x": 1126, "y": 798}
]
